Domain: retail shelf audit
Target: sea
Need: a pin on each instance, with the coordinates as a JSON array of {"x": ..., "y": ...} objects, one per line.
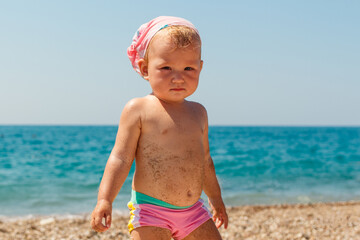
[{"x": 56, "y": 170}]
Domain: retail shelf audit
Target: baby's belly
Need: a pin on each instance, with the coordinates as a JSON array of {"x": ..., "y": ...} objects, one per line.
[{"x": 175, "y": 181}]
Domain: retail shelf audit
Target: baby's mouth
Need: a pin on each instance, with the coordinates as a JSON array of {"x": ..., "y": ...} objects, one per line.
[{"x": 177, "y": 89}]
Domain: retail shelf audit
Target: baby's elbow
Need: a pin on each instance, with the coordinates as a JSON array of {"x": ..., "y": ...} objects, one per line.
[{"x": 118, "y": 159}]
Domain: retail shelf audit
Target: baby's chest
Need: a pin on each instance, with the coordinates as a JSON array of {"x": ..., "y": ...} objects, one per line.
[{"x": 187, "y": 125}]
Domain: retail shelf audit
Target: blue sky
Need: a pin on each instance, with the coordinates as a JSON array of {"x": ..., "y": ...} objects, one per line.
[{"x": 265, "y": 62}]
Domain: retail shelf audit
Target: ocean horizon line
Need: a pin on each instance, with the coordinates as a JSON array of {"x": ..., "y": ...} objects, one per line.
[{"x": 210, "y": 125}]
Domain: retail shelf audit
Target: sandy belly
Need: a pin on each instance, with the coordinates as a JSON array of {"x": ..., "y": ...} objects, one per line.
[{"x": 180, "y": 186}]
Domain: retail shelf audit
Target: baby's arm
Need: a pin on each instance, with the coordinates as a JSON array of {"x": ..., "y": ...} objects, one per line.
[
  {"x": 118, "y": 164},
  {"x": 212, "y": 187}
]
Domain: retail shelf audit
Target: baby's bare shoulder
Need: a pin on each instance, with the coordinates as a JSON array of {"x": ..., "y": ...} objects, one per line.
[
  {"x": 199, "y": 108},
  {"x": 137, "y": 104},
  {"x": 196, "y": 105},
  {"x": 134, "y": 109},
  {"x": 141, "y": 101}
]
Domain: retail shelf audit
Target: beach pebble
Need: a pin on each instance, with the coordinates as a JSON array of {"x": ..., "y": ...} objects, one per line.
[
  {"x": 47, "y": 221},
  {"x": 273, "y": 227}
]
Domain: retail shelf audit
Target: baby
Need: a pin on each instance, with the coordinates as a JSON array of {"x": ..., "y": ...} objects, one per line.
[{"x": 168, "y": 138}]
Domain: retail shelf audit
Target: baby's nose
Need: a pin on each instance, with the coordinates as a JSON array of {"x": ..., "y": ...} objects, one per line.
[{"x": 177, "y": 77}]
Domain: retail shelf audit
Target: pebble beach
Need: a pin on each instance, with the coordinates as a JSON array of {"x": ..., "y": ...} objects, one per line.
[{"x": 338, "y": 221}]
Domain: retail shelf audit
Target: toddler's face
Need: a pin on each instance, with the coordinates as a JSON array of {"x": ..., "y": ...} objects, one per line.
[{"x": 173, "y": 73}]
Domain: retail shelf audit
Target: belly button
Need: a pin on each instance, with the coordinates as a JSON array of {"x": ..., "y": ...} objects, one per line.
[{"x": 189, "y": 193}]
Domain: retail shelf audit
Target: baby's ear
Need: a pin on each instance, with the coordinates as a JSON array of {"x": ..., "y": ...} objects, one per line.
[{"x": 143, "y": 69}]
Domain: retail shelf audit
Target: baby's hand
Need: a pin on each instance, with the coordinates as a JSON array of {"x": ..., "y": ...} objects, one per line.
[
  {"x": 220, "y": 216},
  {"x": 102, "y": 210}
]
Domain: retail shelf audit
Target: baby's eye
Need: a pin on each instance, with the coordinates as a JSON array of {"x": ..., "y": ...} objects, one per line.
[
  {"x": 188, "y": 69},
  {"x": 166, "y": 68}
]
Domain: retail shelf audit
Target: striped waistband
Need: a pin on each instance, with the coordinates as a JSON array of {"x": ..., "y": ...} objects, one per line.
[{"x": 140, "y": 198}]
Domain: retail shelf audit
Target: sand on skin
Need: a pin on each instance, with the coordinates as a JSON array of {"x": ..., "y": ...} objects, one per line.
[{"x": 339, "y": 220}]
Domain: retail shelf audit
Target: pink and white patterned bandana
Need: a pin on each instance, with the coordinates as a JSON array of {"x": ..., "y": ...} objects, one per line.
[{"x": 146, "y": 32}]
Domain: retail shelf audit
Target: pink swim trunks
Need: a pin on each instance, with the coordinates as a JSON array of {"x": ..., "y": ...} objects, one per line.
[{"x": 181, "y": 221}]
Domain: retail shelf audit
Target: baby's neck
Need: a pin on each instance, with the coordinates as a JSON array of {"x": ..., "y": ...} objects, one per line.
[{"x": 166, "y": 102}]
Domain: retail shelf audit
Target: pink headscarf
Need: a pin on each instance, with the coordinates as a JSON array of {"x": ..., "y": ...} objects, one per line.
[{"x": 144, "y": 34}]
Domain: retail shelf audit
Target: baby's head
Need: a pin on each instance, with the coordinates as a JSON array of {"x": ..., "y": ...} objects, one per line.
[
  {"x": 180, "y": 37},
  {"x": 181, "y": 33}
]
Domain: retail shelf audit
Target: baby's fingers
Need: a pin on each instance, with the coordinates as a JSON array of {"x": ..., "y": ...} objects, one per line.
[
  {"x": 226, "y": 221},
  {"x": 219, "y": 222},
  {"x": 97, "y": 225},
  {"x": 220, "y": 219},
  {"x": 108, "y": 220}
]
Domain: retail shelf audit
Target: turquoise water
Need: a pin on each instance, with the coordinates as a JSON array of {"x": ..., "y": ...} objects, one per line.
[{"x": 57, "y": 169}]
